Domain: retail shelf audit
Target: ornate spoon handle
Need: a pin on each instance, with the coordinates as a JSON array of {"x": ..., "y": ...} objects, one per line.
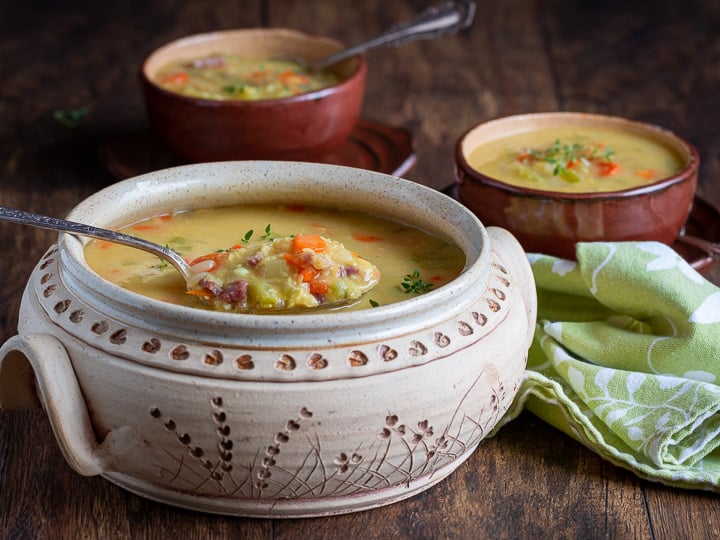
[{"x": 46, "y": 222}]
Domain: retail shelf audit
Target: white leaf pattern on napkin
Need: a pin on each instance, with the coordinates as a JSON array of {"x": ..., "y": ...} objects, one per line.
[{"x": 708, "y": 312}]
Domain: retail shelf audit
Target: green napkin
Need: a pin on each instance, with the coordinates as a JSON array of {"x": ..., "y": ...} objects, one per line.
[{"x": 626, "y": 360}]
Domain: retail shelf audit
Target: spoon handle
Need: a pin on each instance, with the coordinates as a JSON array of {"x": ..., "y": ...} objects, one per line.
[
  {"x": 711, "y": 248},
  {"x": 56, "y": 224},
  {"x": 443, "y": 19}
]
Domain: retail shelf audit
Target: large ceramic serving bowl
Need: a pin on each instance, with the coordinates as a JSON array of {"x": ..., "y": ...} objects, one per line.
[
  {"x": 276, "y": 415},
  {"x": 300, "y": 127},
  {"x": 553, "y": 222}
]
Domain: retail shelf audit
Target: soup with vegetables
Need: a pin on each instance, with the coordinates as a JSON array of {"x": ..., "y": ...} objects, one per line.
[
  {"x": 576, "y": 160},
  {"x": 256, "y": 258},
  {"x": 227, "y": 76}
]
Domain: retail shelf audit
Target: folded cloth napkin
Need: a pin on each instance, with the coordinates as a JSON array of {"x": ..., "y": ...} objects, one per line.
[{"x": 626, "y": 360}]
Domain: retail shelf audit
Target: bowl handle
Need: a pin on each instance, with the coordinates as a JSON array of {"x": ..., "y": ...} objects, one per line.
[
  {"x": 511, "y": 252},
  {"x": 35, "y": 371}
]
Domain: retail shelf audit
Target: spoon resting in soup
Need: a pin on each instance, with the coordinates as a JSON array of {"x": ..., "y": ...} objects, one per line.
[{"x": 302, "y": 271}]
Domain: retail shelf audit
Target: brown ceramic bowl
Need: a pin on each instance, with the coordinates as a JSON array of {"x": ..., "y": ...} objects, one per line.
[
  {"x": 553, "y": 222},
  {"x": 294, "y": 128}
]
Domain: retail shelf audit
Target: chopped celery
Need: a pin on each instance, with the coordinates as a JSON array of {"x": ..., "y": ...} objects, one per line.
[{"x": 527, "y": 172}]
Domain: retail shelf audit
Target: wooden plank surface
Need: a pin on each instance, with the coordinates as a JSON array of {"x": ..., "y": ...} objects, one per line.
[{"x": 654, "y": 61}]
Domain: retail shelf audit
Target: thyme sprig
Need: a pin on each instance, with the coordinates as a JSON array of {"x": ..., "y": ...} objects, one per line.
[
  {"x": 412, "y": 284},
  {"x": 267, "y": 235}
]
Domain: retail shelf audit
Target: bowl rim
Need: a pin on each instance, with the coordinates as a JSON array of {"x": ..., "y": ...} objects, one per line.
[
  {"x": 685, "y": 174},
  {"x": 358, "y": 73}
]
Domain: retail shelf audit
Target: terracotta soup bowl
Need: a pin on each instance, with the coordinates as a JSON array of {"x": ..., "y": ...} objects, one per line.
[
  {"x": 553, "y": 222},
  {"x": 298, "y": 127},
  {"x": 272, "y": 415}
]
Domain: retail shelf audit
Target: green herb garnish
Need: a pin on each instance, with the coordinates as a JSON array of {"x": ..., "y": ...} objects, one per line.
[
  {"x": 233, "y": 88},
  {"x": 373, "y": 303},
  {"x": 563, "y": 157},
  {"x": 412, "y": 284},
  {"x": 70, "y": 117},
  {"x": 163, "y": 264},
  {"x": 267, "y": 235}
]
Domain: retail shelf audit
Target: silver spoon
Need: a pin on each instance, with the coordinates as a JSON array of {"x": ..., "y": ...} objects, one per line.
[
  {"x": 711, "y": 248},
  {"x": 444, "y": 19},
  {"x": 62, "y": 225},
  {"x": 56, "y": 224}
]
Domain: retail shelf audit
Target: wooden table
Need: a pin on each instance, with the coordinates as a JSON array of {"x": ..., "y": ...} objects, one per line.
[{"x": 651, "y": 61}]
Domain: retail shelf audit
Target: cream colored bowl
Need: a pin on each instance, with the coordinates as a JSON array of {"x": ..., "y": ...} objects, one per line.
[{"x": 282, "y": 415}]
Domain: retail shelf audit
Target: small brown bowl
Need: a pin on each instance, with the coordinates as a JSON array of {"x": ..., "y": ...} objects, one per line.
[
  {"x": 299, "y": 128},
  {"x": 553, "y": 222}
]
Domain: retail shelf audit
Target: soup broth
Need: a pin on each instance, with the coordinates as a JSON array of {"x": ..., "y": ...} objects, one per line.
[
  {"x": 576, "y": 160},
  {"x": 227, "y": 77},
  {"x": 410, "y": 260}
]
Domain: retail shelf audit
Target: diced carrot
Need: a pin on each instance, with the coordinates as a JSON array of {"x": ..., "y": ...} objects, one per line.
[
  {"x": 199, "y": 293},
  {"x": 524, "y": 157},
  {"x": 570, "y": 164},
  {"x": 144, "y": 227},
  {"x": 308, "y": 273},
  {"x": 608, "y": 168},
  {"x": 175, "y": 78},
  {"x": 318, "y": 287},
  {"x": 258, "y": 75},
  {"x": 216, "y": 257},
  {"x": 237, "y": 246},
  {"x": 290, "y": 77},
  {"x": 165, "y": 217},
  {"x": 314, "y": 242},
  {"x": 436, "y": 278},
  {"x": 362, "y": 237},
  {"x": 293, "y": 259},
  {"x": 104, "y": 244},
  {"x": 647, "y": 174}
]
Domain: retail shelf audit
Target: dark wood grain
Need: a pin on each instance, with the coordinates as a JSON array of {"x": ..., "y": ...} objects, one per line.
[{"x": 653, "y": 61}]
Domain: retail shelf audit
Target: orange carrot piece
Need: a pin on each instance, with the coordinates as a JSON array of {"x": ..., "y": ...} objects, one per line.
[
  {"x": 144, "y": 227},
  {"x": 608, "y": 168},
  {"x": 293, "y": 260},
  {"x": 314, "y": 242},
  {"x": 524, "y": 157},
  {"x": 175, "y": 78},
  {"x": 318, "y": 287},
  {"x": 647, "y": 174},
  {"x": 217, "y": 258},
  {"x": 104, "y": 244},
  {"x": 199, "y": 293},
  {"x": 362, "y": 237},
  {"x": 308, "y": 273}
]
